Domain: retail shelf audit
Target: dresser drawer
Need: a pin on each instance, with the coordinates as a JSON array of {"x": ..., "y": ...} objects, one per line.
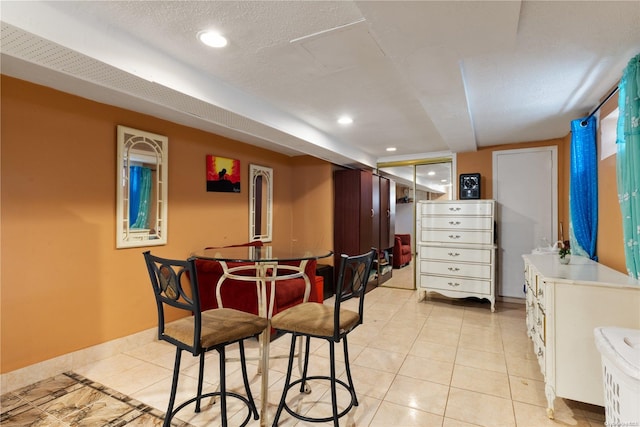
[
  {"x": 456, "y": 254},
  {"x": 455, "y": 284},
  {"x": 457, "y": 236},
  {"x": 457, "y": 208},
  {"x": 539, "y": 350},
  {"x": 458, "y": 222},
  {"x": 481, "y": 271},
  {"x": 541, "y": 325}
]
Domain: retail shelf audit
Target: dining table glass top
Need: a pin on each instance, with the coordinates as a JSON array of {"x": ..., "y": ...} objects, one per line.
[{"x": 266, "y": 253}]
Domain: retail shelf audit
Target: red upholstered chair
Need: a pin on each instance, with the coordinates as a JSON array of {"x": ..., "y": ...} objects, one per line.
[
  {"x": 242, "y": 296},
  {"x": 401, "y": 250}
]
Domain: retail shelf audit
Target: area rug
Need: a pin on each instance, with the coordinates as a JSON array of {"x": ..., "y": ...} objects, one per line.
[{"x": 70, "y": 399}]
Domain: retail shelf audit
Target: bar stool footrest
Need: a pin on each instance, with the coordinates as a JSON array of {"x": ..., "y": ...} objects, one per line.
[
  {"x": 353, "y": 402},
  {"x": 252, "y": 410}
]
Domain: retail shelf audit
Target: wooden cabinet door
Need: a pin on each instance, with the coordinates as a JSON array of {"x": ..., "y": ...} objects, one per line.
[
  {"x": 353, "y": 212},
  {"x": 387, "y": 205},
  {"x": 376, "y": 216}
]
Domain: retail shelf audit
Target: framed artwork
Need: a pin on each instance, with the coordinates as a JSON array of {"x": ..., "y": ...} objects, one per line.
[
  {"x": 469, "y": 186},
  {"x": 223, "y": 174}
]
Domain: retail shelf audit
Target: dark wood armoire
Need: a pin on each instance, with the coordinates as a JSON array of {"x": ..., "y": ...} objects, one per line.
[{"x": 364, "y": 213}]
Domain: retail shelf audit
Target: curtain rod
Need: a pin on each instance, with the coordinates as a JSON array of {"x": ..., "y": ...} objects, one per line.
[{"x": 595, "y": 110}]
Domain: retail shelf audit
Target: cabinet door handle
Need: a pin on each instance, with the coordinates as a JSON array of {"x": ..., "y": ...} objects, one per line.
[
  {"x": 388, "y": 213},
  {"x": 454, "y": 222},
  {"x": 455, "y": 209},
  {"x": 453, "y": 254},
  {"x": 452, "y": 236},
  {"x": 372, "y": 213},
  {"x": 453, "y": 284},
  {"x": 453, "y": 269}
]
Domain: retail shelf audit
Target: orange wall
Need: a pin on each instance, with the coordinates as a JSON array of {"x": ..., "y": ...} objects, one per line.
[
  {"x": 312, "y": 180},
  {"x": 609, "y": 247},
  {"x": 64, "y": 286}
]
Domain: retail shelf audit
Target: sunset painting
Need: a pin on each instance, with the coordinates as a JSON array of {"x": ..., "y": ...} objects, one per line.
[{"x": 223, "y": 174}]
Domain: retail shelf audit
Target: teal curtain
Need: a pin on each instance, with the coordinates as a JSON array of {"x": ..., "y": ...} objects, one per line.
[
  {"x": 628, "y": 163},
  {"x": 583, "y": 188},
  {"x": 139, "y": 196}
]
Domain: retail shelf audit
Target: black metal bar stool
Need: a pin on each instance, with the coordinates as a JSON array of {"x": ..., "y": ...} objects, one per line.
[
  {"x": 314, "y": 320},
  {"x": 175, "y": 284}
]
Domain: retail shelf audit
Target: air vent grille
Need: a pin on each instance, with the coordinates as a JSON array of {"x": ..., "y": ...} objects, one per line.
[{"x": 34, "y": 49}]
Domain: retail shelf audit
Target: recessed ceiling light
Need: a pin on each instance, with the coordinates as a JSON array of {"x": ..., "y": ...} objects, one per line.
[
  {"x": 391, "y": 149},
  {"x": 345, "y": 120},
  {"x": 212, "y": 39},
  {"x": 444, "y": 181}
]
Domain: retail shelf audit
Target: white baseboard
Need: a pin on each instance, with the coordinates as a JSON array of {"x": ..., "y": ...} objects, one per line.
[{"x": 22, "y": 377}]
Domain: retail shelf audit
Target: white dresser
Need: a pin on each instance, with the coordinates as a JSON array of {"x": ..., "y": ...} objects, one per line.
[
  {"x": 456, "y": 250},
  {"x": 565, "y": 303}
]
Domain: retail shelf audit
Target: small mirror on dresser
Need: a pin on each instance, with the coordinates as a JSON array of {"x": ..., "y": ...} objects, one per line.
[{"x": 141, "y": 187}]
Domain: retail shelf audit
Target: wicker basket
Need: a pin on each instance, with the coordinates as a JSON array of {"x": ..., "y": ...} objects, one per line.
[{"x": 620, "y": 352}]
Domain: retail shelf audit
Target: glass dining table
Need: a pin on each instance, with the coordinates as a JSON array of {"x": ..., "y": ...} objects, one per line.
[{"x": 263, "y": 265}]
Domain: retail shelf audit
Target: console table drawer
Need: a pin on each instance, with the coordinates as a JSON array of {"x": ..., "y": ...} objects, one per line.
[
  {"x": 457, "y": 284},
  {"x": 481, "y": 271},
  {"x": 456, "y": 254}
]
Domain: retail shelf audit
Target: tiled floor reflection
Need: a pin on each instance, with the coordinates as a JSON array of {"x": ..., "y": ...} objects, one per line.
[{"x": 415, "y": 363}]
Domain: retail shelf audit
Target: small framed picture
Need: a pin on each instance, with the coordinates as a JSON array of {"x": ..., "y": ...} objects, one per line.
[
  {"x": 469, "y": 186},
  {"x": 223, "y": 174}
]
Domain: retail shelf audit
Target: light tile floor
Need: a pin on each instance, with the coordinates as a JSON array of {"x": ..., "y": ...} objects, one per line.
[{"x": 415, "y": 363}]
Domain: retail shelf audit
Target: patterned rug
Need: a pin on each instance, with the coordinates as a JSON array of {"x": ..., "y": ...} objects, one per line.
[{"x": 71, "y": 400}]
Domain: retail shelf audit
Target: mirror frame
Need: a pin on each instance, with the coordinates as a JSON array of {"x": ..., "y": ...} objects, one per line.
[
  {"x": 154, "y": 152},
  {"x": 260, "y": 189}
]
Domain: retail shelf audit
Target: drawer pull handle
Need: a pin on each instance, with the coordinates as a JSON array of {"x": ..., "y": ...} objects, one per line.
[
  {"x": 451, "y": 236},
  {"x": 453, "y": 284},
  {"x": 540, "y": 353},
  {"x": 533, "y": 330},
  {"x": 453, "y": 269},
  {"x": 454, "y": 222},
  {"x": 454, "y": 209},
  {"x": 453, "y": 254},
  {"x": 540, "y": 293}
]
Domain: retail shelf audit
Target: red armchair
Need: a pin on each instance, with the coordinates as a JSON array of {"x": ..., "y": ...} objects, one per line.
[
  {"x": 243, "y": 295},
  {"x": 401, "y": 250}
]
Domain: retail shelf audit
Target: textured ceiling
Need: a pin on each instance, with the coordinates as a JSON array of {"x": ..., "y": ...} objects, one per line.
[{"x": 425, "y": 76}]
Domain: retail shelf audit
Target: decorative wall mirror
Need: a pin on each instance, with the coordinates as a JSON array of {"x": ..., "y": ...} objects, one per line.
[
  {"x": 141, "y": 211},
  {"x": 260, "y": 203}
]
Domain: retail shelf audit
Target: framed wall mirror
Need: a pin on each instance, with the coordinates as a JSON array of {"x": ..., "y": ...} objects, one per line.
[
  {"x": 141, "y": 187},
  {"x": 260, "y": 203}
]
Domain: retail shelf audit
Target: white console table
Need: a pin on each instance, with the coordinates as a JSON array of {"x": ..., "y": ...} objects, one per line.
[{"x": 564, "y": 305}]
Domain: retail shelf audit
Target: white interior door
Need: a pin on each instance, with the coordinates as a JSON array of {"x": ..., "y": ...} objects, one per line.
[{"x": 525, "y": 187}]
